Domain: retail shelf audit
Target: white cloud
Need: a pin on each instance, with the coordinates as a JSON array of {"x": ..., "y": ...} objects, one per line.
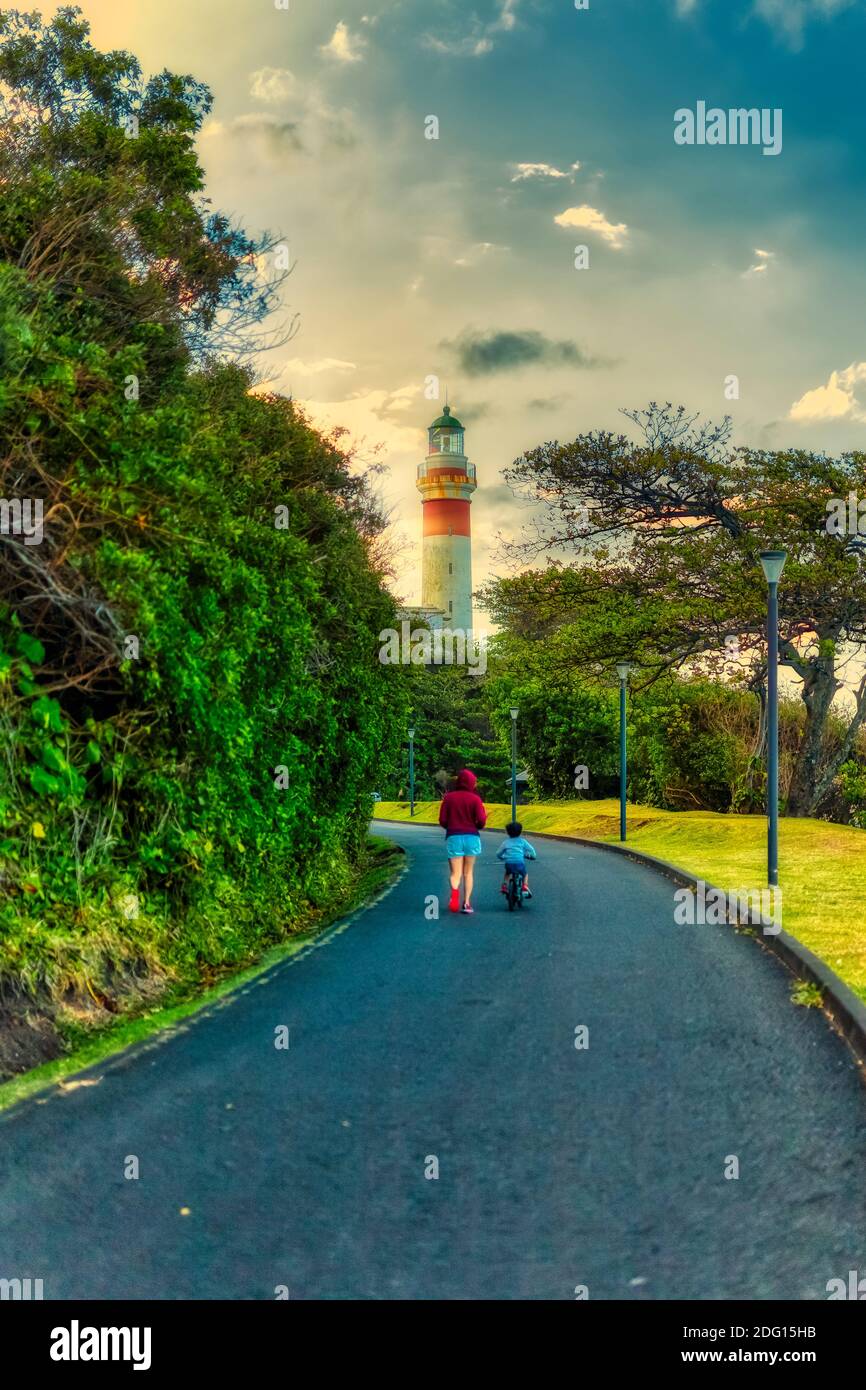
[
  {"x": 477, "y": 253},
  {"x": 787, "y": 17},
  {"x": 367, "y": 415},
  {"x": 479, "y": 38},
  {"x": 345, "y": 47},
  {"x": 272, "y": 84},
  {"x": 761, "y": 264},
  {"x": 542, "y": 171},
  {"x": 790, "y": 17},
  {"x": 452, "y": 250},
  {"x": 836, "y": 400},
  {"x": 589, "y": 219},
  {"x": 306, "y": 127},
  {"x": 507, "y": 17}
]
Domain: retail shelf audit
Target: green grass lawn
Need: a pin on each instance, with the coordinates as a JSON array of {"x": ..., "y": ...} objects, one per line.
[{"x": 822, "y": 867}]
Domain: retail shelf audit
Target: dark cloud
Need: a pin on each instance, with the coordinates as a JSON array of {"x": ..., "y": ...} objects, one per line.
[
  {"x": 481, "y": 354},
  {"x": 315, "y": 133},
  {"x": 546, "y": 403},
  {"x": 470, "y": 413},
  {"x": 279, "y": 136}
]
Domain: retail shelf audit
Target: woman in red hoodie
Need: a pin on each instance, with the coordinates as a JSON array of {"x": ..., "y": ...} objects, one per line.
[{"x": 462, "y": 815}]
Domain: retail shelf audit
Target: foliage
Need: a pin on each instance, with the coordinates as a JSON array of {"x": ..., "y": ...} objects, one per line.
[
  {"x": 202, "y": 611},
  {"x": 664, "y": 536},
  {"x": 448, "y": 710},
  {"x": 852, "y": 778}
]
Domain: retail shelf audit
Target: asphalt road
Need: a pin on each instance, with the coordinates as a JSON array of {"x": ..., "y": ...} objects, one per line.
[{"x": 415, "y": 1039}]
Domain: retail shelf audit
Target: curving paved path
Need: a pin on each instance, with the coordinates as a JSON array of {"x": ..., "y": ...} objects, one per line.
[{"x": 455, "y": 1039}]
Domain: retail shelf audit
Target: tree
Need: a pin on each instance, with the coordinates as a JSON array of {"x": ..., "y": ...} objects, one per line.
[
  {"x": 191, "y": 702},
  {"x": 448, "y": 707},
  {"x": 664, "y": 535}
]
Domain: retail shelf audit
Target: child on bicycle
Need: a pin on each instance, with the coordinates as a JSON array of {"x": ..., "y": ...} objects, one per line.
[{"x": 515, "y": 851}]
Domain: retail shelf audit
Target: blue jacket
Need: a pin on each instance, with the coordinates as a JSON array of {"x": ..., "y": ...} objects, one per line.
[{"x": 513, "y": 851}]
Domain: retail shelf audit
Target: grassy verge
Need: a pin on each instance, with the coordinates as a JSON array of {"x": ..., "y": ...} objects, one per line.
[
  {"x": 822, "y": 867},
  {"x": 87, "y": 1047}
]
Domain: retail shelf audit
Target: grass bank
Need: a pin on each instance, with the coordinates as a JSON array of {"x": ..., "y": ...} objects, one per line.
[
  {"x": 85, "y": 1046},
  {"x": 822, "y": 867}
]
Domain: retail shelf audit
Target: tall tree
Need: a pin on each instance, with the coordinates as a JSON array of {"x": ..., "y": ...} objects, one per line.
[{"x": 652, "y": 548}]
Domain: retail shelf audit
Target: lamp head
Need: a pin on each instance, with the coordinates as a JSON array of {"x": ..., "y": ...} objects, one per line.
[
  {"x": 411, "y": 733},
  {"x": 624, "y": 669},
  {"x": 772, "y": 563},
  {"x": 514, "y": 713}
]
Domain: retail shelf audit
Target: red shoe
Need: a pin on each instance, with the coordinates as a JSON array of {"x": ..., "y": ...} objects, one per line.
[
  {"x": 454, "y": 904},
  {"x": 467, "y": 908}
]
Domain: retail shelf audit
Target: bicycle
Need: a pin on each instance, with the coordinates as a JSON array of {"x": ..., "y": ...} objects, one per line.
[{"x": 515, "y": 890}]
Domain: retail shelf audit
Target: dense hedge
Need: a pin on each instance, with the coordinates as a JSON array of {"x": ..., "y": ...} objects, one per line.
[
  {"x": 193, "y": 712},
  {"x": 158, "y": 778}
]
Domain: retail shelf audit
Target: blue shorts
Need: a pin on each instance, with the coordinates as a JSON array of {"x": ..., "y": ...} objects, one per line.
[
  {"x": 456, "y": 846},
  {"x": 515, "y": 866}
]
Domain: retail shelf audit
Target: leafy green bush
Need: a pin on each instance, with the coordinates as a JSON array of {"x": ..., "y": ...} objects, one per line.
[{"x": 192, "y": 707}]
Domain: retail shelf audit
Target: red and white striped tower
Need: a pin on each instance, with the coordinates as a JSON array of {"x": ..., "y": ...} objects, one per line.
[{"x": 446, "y": 481}]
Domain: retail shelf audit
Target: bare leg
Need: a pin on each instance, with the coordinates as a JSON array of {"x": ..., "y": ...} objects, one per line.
[
  {"x": 468, "y": 876},
  {"x": 455, "y": 869}
]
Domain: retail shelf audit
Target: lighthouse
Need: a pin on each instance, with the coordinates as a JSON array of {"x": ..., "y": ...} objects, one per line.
[{"x": 446, "y": 482}]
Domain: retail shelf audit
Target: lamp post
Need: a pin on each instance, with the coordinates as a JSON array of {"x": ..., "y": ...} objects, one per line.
[
  {"x": 514, "y": 713},
  {"x": 772, "y": 563},
  {"x": 623, "y": 670},
  {"x": 411, "y": 772}
]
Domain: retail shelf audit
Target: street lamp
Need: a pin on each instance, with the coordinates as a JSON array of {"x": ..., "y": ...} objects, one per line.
[
  {"x": 772, "y": 563},
  {"x": 514, "y": 713},
  {"x": 623, "y": 670},
  {"x": 411, "y": 772}
]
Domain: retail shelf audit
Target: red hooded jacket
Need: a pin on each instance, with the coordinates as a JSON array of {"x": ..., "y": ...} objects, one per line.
[{"x": 462, "y": 811}]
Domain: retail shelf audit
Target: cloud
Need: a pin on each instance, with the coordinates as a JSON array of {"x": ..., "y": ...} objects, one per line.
[
  {"x": 369, "y": 416},
  {"x": 308, "y": 125},
  {"x": 788, "y": 18},
  {"x": 482, "y": 354},
  {"x": 343, "y": 46},
  {"x": 546, "y": 402},
  {"x": 836, "y": 400},
  {"x": 588, "y": 219},
  {"x": 763, "y": 261},
  {"x": 477, "y": 253},
  {"x": 542, "y": 171},
  {"x": 272, "y": 84},
  {"x": 470, "y": 413},
  {"x": 480, "y": 36},
  {"x": 277, "y": 137}
]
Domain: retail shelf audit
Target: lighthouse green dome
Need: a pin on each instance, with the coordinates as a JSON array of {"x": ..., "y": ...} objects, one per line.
[{"x": 447, "y": 421}]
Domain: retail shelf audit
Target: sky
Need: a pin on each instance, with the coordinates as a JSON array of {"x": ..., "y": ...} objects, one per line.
[{"x": 454, "y": 258}]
